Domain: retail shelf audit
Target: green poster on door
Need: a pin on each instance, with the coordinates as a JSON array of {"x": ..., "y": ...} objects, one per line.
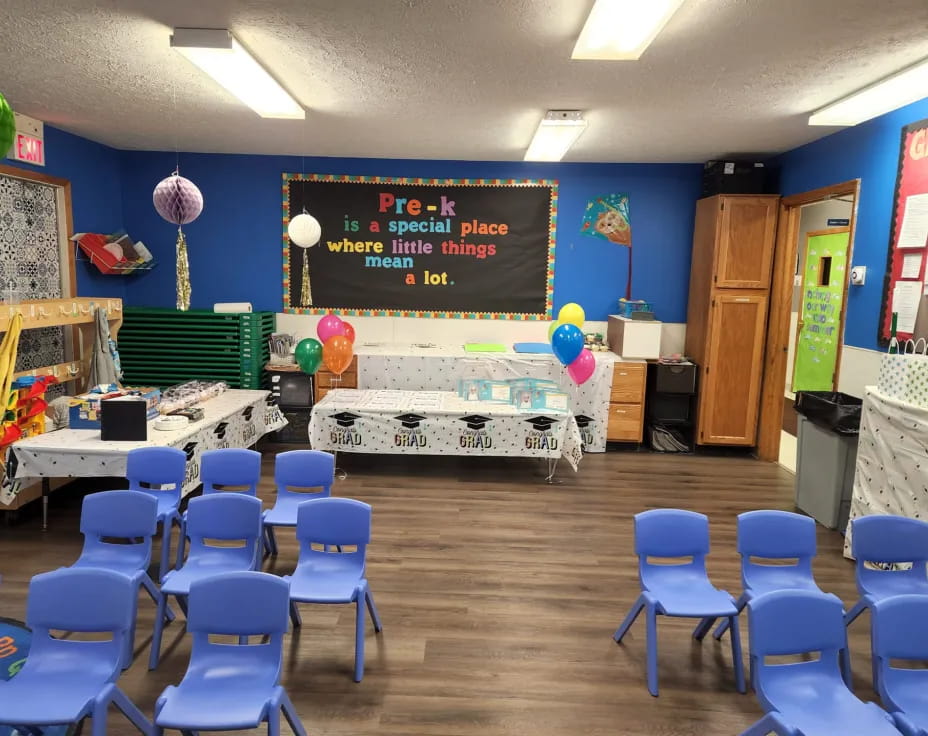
[{"x": 819, "y": 332}]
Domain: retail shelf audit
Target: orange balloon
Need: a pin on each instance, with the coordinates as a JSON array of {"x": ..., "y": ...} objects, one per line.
[
  {"x": 349, "y": 331},
  {"x": 337, "y": 353}
]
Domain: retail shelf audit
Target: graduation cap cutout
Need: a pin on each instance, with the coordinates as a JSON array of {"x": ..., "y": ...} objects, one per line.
[
  {"x": 582, "y": 421},
  {"x": 345, "y": 418},
  {"x": 410, "y": 421},
  {"x": 541, "y": 424},
  {"x": 188, "y": 449},
  {"x": 475, "y": 421}
]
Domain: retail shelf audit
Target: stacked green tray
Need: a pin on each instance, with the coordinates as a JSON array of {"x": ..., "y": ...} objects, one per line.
[{"x": 162, "y": 347}]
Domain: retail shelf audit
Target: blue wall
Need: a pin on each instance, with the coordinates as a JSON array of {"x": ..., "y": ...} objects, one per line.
[
  {"x": 235, "y": 245},
  {"x": 869, "y": 152},
  {"x": 96, "y": 197}
]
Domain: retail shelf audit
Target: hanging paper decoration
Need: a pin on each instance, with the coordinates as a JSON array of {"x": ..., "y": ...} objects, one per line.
[
  {"x": 7, "y": 126},
  {"x": 304, "y": 231},
  {"x": 179, "y": 201},
  {"x": 609, "y": 217}
]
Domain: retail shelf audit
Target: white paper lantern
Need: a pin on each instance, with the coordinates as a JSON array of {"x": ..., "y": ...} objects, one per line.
[{"x": 304, "y": 231}]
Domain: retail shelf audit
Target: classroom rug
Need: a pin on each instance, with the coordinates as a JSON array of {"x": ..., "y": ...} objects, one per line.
[{"x": 15, "y": 639}]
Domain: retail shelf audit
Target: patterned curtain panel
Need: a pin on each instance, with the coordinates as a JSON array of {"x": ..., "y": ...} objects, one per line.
[{"x": 30, "y": 263}]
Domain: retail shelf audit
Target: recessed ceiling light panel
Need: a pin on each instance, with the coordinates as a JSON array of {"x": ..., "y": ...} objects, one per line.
[
  {"x": 621, "y": 30},
  {"x": 557, "y": 132},
  {"x": 901, "y": 89},
  {"x": 222, "y": 57}
]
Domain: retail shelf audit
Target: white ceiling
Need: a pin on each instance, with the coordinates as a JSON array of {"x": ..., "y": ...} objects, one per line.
[{"x": 455, "y": 79}]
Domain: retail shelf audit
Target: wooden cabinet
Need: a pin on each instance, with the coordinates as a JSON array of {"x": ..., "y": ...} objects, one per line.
[
  {"x": 325, "y": 380},
  {"x": 733, "y": 245},
  {"x": 731, "y": 380},
  {"x": 626, "y": 402},
  {"x": 746, "y": 233}
]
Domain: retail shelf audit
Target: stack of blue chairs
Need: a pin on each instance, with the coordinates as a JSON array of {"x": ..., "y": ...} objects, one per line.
[
  {"x": 789, "y": 616},
  {"x": 217, "y": 586}
]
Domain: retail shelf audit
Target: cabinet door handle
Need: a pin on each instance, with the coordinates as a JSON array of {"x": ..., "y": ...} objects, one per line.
[{"x": 623, "y": 373}]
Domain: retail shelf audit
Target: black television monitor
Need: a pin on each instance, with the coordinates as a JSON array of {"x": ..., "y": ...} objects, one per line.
[{"x": 295, "y": 389}]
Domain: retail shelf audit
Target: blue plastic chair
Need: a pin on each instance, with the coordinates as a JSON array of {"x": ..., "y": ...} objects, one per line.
[
  {"x": 895, "y": 540},
  {"x": 774, "y": 535},
  {"x": 66, "y": 680},
  {"x": 333, "y": 573},
  {"x": 899, "y": 633},
  {"x": 888, "y": 539},
  {"x": 160, "y": 472},
  {"x": 681, "y": 589},
  {"x": 227, "y": 686},
  {"x": 127, "y": 515},
  {"x": 297, "y": 469},
  {"x": 806, "y": 698},
  {"x": 229, "y": 470},
  {"x": 229, "y": 517}
]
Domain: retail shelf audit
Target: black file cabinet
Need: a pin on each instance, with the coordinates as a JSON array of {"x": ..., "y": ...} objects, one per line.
[{"x": 671, "y": 407}]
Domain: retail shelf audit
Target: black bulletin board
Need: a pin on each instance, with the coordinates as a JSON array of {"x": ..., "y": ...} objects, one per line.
[{"x": 473, "y": 248}]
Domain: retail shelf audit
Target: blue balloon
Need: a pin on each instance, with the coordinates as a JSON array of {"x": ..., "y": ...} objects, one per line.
[{"x": 567, "y": 343}]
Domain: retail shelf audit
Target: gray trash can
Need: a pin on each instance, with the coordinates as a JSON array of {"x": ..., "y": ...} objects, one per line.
[{"x": 826, "y": 455}]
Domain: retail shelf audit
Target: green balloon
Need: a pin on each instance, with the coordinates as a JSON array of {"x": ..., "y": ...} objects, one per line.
[
  {"x": 309, "y": 355},
  {"x": 7, "y": 126}
]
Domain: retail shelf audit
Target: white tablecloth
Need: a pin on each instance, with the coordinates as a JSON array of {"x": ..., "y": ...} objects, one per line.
[
  {"x": 235, "y": 418},
  {"x": 891, "y": 476},
  {"x": 439, "y": 368},
  {"x": 439, "y": 423}
]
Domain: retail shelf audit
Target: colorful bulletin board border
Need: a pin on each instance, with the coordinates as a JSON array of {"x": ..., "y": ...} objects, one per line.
[
  {"x": 287, "y": 178},
  {"x": 911, "y": 180}
]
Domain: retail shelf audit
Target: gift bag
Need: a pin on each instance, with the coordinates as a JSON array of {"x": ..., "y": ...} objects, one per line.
[{"x": 904, "y": 372}]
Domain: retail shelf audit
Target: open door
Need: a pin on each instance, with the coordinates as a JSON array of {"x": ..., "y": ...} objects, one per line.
[{"x": 823, "y": 291}]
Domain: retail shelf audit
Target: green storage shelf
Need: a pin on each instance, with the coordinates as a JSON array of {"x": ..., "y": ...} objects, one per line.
[{"x": 162, "y": 347}]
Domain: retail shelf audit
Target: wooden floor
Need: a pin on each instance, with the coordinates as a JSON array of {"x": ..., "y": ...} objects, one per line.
[{"x": 499, "y": 596}]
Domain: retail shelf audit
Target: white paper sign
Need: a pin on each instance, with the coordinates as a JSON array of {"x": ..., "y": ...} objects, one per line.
[
  {"x": 906, "y": 297},
  {"x": 914, "y": 230},
  {"x": 911, "y": 265}
]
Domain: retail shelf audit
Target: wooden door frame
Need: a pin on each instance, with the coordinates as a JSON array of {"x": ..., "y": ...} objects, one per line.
[
  {"x": 770, "y": 419},
  {"x": 65, "y": 186}
]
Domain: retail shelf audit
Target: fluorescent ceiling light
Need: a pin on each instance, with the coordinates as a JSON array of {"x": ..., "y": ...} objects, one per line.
[
  {"x": 557, "y": 132},
  {"x": 223, "y": 58},
  {"x": 909, "y": 85},
  {"x": 623, "y": 29}
]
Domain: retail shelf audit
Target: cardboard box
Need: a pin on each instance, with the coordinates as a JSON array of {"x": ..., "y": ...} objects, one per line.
[
  {"x": 84, "y": 412},
  {"x": 631, "y": 338}
]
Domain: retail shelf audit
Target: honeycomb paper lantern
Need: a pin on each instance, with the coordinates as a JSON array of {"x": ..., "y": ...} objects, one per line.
[
  {"x": 304, "y": 231},
  {"x": 7, "y": 127},
  {"x": 178, "y": 200}
]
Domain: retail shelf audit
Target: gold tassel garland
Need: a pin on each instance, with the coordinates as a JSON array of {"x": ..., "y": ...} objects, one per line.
[
  {"x": 183, "y": 273},
  {"x": 306, "y": 294}
]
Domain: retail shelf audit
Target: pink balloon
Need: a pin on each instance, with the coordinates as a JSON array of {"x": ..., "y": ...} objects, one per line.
[
  {"x": 582, "y": 368},
  {"x": 330, "y": 326}
]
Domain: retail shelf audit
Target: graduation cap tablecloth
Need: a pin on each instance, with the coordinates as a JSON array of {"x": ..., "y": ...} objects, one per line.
[
  {"x": 235, "y": 418},
  {"x": 431, "y": 368},
  {"x": 439, "y": 423}
]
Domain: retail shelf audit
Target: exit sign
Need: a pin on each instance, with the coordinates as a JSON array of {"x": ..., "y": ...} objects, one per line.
[
  {"x": 29, "y": 143},
  {"x": 29, "y": 150}
]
